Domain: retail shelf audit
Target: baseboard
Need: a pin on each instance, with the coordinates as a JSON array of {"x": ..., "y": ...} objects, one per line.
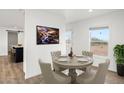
[{"x": 27, "y": 76}]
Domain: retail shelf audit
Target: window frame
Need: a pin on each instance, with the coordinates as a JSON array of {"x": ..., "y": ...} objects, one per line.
[{"x": 97, "y": 28}]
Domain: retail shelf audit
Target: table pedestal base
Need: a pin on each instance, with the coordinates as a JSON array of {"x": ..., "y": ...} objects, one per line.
[{"x": 73, "y": 74}]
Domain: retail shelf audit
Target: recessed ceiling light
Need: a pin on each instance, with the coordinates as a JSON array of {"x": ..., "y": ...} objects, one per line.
[{"x": 90, "y": 10}]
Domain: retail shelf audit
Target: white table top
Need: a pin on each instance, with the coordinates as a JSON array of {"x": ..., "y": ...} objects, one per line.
[{"x": 74, "y": 62}]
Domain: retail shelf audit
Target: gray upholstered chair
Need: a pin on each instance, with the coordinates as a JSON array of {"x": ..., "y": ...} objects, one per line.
[
  {"x": 98, "y": 78},
  {"x": 87, "y": 54},
  {"x": 51, "y": 77},
  {"x": 55, "y": 55}
]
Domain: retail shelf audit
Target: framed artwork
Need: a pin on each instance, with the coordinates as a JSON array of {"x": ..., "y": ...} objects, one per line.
[{"x": 47, "y": 35}]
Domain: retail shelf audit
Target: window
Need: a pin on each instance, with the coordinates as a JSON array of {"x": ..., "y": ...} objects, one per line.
[{"x": 99, "y": 38}]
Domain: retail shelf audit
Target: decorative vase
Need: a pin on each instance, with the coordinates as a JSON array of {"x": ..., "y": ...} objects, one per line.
[{"x": 71, "y": 53}]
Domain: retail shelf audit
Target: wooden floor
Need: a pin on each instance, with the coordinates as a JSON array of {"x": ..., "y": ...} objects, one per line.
[{"x": 12, "y": 73}]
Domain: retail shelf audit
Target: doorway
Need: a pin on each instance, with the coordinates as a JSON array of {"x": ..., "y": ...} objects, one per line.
[{"x": 12, "y": 40}]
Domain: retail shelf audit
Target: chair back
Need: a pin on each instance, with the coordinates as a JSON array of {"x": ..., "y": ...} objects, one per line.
[
  {"x": 55, "y": 55},
  {"x": 87, "y": 53},
  {"x": 47, "y": 72},
  {"x": 101, "y": 72},
  {"x": 58, "y": 53}
]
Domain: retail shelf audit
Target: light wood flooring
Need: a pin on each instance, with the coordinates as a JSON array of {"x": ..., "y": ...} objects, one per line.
[{"x": 12, "y": 73}]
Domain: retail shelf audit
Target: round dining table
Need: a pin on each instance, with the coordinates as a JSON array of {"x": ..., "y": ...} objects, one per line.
[{"x": 73, "y": 63}]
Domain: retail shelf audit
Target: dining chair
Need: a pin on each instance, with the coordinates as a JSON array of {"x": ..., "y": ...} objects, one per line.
[
  {"x": 87, "y": 54},
  {"x": 55, "y": 55},
  {"x": 51, "y": 77},
  {"x": 98, "y": 78}
]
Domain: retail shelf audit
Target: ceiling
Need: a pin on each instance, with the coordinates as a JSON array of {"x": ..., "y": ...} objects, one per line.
[
  {"x": 72, "y": 15},
  {"x": 14, "y": 18}
]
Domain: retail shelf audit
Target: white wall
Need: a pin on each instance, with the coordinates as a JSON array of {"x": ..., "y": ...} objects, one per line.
[
  {"x": 3, "y": 42},
  {"x": 115, "y": 22},
  {"x": 33, "y": 52}
]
